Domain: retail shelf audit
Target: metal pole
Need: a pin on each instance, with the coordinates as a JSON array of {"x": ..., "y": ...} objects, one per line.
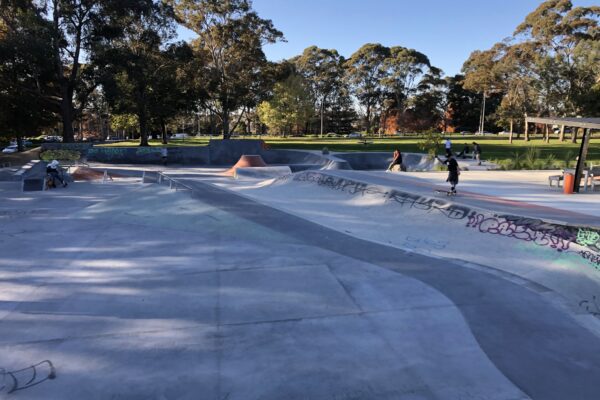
[
  {"x": 583, "y": 149},
  {"x": 482, "y": 121}
]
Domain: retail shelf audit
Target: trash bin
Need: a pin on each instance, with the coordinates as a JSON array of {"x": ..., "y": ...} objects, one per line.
[{"x": 569, "y": 178}]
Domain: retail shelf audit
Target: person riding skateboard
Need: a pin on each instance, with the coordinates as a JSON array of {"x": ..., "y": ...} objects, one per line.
[{"x": 453, "y": 172}]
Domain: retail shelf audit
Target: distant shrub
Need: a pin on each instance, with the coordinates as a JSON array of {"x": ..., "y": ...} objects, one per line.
[{"x": 62, "y": 155}]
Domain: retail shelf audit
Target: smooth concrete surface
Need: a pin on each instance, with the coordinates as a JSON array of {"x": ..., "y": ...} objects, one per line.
[
  {"x": 524, "y": 193},
  {"x": 554, "y": 259},
  {"x": 139, "y": 292}
]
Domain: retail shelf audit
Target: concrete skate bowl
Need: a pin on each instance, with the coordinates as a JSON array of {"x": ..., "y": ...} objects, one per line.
[
  {"x": 299, "y": 160},
  {"x": 381, "y": 160},
  {"x": 562, "y": 257}
]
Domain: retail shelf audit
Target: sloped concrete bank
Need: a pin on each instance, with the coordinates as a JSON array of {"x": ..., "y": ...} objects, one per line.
[{"x": 564, "y": 258}]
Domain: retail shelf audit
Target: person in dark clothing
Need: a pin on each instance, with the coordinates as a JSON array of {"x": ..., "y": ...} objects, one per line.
[
  {"x": 164, "y": 154},
  {"x": 55, "y": 172},
  {"x": 396, "y": 161},
  {"x": 453, "y": 172},
  {"x": 477, "y": 152},
  {"x": 463, "y": 154}
]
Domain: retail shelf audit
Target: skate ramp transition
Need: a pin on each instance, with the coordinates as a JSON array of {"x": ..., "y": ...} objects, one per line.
[
  {"x": 381, "y": 160},
  {"x": 228, "y": 152},
  {"x": 246, "y": 161},
  {"x": 564, "y": 258},
  {"x": 261, "y": 173}
]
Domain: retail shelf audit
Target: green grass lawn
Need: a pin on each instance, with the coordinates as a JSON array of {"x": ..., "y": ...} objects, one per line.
[{"x": 493, "y": 147}]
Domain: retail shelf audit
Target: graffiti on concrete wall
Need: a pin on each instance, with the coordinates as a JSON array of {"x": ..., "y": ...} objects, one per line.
[
  {"x": 106, "y": 153},
  {"x": 147, "y": 150},
  {"x": 588, "y": 237},
  {"x": 526, "y": 229},
  {"x": 354, "y": 188},
  {"x": 553, "y": 236}
]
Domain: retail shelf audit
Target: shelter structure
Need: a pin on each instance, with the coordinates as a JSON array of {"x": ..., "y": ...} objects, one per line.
[{"x": 587, "y": 124}]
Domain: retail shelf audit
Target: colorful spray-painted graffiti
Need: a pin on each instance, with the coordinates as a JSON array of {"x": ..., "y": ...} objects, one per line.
[{"x": 554, "y": 236}]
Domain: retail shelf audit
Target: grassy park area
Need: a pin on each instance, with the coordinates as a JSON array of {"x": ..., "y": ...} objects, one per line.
[{"x": 494, "y": 148}]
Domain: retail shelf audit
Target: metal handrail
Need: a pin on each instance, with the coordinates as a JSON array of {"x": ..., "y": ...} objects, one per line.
[{"x": 173, "y": 183}]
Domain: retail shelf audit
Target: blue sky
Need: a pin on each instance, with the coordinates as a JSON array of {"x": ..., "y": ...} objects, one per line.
[{"x": 447, "y": 31}]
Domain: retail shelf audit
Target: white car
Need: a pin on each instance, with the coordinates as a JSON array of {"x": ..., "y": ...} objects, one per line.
[
  {"x": 180, "y": 136},
  {"x": 10, "y": 149}
]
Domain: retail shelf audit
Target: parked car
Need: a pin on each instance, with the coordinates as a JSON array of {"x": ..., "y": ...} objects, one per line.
[
  {"x": 10, "y": 149},
  {"x": 354, "y": 135},
  {"x": 180, "y": 136}
]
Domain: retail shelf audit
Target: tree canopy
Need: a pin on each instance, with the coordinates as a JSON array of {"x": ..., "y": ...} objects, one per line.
[{"x": 65, "y": 61}]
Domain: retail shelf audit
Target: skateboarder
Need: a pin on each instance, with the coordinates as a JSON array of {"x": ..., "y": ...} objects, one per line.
[{"x": 453, "y": 172}]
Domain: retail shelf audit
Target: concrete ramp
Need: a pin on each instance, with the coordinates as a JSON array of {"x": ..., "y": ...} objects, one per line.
[
  {"x": 245, "y": 161},
  {"x": 261, "y": 173},
  {"x": 381, "y": 160},
  {"x": 563, "y": 258}
]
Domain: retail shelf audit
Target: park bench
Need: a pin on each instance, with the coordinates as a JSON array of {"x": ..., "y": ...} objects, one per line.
[
  {"x": 365, "y": 142},
  {"x": 555, "y": 178},
  {"x": 591, "y": 175}
]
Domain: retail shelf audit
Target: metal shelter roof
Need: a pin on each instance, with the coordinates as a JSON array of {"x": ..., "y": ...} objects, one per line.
[{"x": 586, "y": 123}]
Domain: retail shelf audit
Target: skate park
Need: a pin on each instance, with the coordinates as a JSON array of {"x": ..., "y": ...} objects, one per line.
[{"x": 334, "y": 276}]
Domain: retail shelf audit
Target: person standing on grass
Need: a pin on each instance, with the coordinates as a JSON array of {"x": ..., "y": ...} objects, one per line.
[
  {"x": 448, "y": 146},
  {"x": 477, "y": 152},
  {"x": 453, "y": 171}
]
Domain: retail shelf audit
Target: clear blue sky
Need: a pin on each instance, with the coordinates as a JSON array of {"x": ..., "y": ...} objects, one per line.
[{"x": 447, "y": 31}]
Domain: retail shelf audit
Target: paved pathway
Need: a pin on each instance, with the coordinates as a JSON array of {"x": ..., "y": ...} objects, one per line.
[{"x": 157, "y": 295}]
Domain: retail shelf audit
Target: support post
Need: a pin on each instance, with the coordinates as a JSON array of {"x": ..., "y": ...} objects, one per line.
[
  {"x": 562, "y": 133},
  {"x": 583, "y": 149}
]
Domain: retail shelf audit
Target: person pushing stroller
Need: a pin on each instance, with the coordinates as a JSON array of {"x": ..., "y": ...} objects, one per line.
[{"x": 55, "y": 173}]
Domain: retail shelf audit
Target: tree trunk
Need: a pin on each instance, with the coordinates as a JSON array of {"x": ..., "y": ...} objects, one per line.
[
  {"x": 510, "y": 135},
  {"x": 526, "y": 130},
  {"x": 322, "y": 110},
  {"x": 163, "y": 128},
  {"x": 66, "y": 113},
  {"x": 562, "y": 133},
  {"x": 547, "y": 135},
  {"x": 20, "y": 146},
  {"x": 226, "y": 133},
  {"x": 574, "y": 135},
  {"x": 368, "y": 120},
  {"x": 143, "y": 129}
]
